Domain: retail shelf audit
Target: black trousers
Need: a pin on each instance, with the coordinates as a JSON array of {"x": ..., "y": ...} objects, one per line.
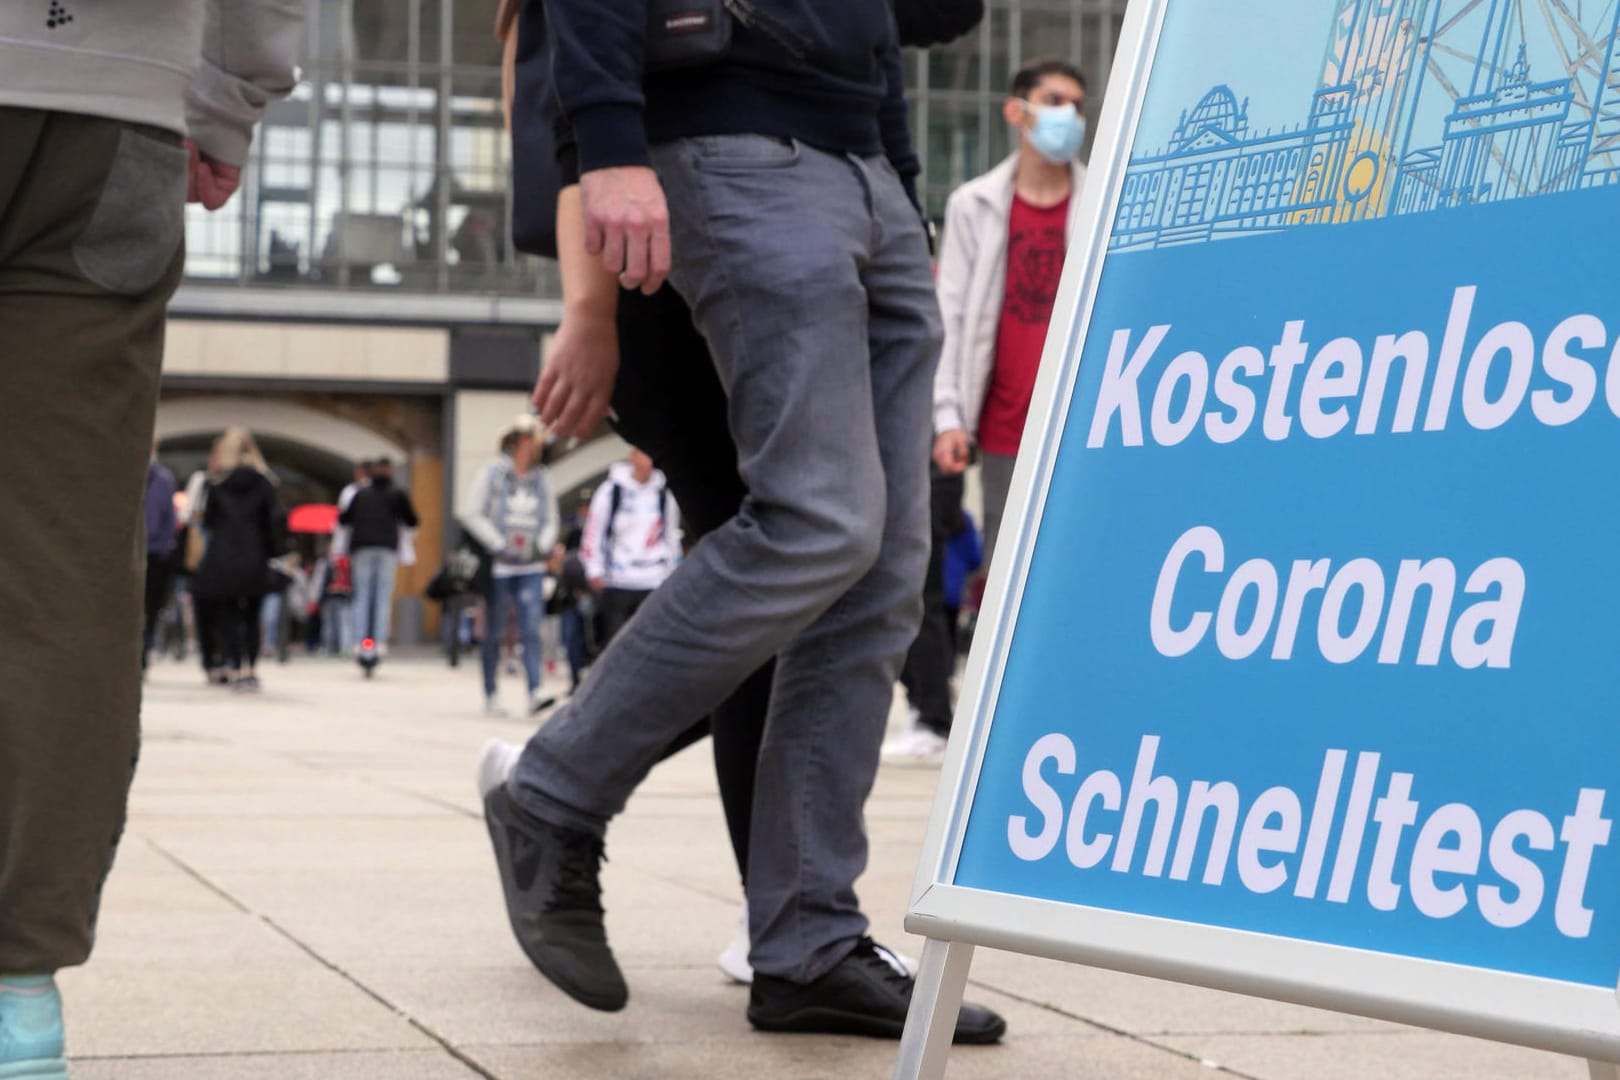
[
  {"x": 618, "y": 606},
  {"x": 235, "y": 625},
  {"x": 159, "y": 580},
  {"x": 206, "y": 612},
  {"x": 928, "y": 667},
  {"x": 670, "y": 403}
]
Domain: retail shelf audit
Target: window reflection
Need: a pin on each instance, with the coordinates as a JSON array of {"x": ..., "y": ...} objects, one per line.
[{"x": 389, "y": 167}]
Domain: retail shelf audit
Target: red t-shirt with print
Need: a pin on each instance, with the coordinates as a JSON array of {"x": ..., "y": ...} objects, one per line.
[{"x": 1035, "y": 247}]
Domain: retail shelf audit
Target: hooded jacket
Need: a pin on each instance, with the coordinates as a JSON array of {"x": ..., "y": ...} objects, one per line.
[
  {"x": 972, "y": 285},
  {"x": 376, "y": 515},
  {"x": 242, "y": 521},
  {"x": 513, "y": 515},
  {"x": 825, "y": 72},
  {"x": 206, "y": 68},
  {"x": 632, "y": 539}
]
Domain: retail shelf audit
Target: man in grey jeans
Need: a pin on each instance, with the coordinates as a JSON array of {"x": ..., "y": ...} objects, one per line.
[{"x": 806, "y": 267}]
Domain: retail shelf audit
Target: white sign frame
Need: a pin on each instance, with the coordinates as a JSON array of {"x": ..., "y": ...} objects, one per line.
[{"x": 1530, "y": 1011}]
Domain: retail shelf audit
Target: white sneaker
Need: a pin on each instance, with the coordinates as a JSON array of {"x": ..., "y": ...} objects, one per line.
[
  {"x": 540, "y": 701},
  {"x": 493, "y": 706},
  {"x": 918, "y": 745},
  {"x": 496, "y": 765},
  {"x": 734, "y": 961}
]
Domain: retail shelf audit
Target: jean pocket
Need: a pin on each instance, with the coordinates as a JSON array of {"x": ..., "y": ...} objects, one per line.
[
  {"x": 744, "y": 153},
  {"x": 139, "y": 222}
]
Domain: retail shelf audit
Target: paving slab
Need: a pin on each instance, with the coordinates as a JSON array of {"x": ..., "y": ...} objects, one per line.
[
  {"x": 1404, "y": 1054},
  {"x": 791, "y": 1057},
  {"x": 413, "y": 1065}
]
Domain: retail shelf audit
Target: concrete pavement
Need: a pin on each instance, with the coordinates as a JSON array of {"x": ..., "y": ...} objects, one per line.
[{"x": 306, "y": 890}]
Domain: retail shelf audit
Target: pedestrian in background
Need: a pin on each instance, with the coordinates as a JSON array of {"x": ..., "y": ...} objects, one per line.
[
  {"x": 1006, "y": 234},
  {"x": 162, "y": 538},
  {"x": 335, "y": 592},
  {"x": 94, "y": 175},
  {"x": 512, "y": 511},
  {"x": 376, "y": 517},
  {"x": 930, "y": 666},
  {"x": 964, "y": 555},
  {"x": 196, "y": 546},
  {"x": 571, "y": 590},
  {"x": 340, "y": 531},
  {"x": 242, "y": 518},
  {"x": 632, "y": 540}
]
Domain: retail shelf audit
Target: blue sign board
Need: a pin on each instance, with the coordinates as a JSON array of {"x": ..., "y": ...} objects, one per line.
[{"x": 1316, "y": 613}]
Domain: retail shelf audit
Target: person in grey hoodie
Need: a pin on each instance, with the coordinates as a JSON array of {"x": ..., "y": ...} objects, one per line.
[
  {"x": 112, "y": 116},
  {"x": 512, "y": 511}
]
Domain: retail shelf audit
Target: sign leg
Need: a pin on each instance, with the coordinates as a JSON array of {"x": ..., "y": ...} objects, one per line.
[
  {"x": 1603, "y": 1070},
  {"x": 934, "y": 1005}
]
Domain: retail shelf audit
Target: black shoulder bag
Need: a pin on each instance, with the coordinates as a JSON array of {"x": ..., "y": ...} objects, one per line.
[
  {"x": 691, "y": 33},
  {"x": 686, "y": 33}
]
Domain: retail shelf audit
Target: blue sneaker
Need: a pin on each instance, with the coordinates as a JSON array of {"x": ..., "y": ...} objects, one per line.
[{"x": 31, "y": 1029}]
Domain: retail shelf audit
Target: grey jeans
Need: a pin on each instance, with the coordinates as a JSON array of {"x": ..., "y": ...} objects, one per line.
[{"x": 808, "y": 274}]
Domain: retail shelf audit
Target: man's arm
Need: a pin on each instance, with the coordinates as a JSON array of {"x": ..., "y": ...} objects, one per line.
[
  {"x": 474, "y": 515},
  {"x": 591, "y": 554},
  {"x": 934, "y": 22},
  {"x": 249, "y": 59},
  {"x": 598, "y": 73},
  {"x": 955, "y": 278},
  {"x": 598, "y": 69},
  {"x": 576, "y": 385},
  {"x": 895, "y": 125}
]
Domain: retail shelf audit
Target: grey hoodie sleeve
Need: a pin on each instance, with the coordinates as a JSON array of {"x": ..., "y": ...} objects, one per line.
[
  {"x": 249, "y": 59},
  {"x": 475, "y": 513}
]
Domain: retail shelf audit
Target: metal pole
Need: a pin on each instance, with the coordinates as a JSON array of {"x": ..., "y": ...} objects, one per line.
[
  {"x": 935, "y": 1001},
  {"x": 317, "y": 103},
  {"x": 441, "y": 151},
  {"x": 345, "y": 124}
]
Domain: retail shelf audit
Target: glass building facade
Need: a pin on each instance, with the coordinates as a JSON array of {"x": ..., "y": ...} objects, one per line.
[{"x": 387, "y": 170}]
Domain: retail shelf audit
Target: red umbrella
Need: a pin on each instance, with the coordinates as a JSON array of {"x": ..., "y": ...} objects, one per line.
[{"x": 316, "y": 518}]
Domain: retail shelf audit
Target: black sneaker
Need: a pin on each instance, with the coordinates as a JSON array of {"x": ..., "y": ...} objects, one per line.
[
  {"x": 554, "y": 901},
  {"x": 868, "y": 993}
]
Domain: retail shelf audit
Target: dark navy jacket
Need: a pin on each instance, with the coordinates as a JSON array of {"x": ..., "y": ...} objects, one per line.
[{"x": 826, "y": 72}]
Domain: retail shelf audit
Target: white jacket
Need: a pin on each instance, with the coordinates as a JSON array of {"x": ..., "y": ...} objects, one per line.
[
  {"x": 972, "y": 284},
  {"x": 645, "y": 545}
]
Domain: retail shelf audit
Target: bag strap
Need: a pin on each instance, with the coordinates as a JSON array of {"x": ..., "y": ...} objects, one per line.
[{"x": 746, "y": 13}]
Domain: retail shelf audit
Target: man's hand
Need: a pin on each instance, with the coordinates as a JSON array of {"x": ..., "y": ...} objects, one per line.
[
  {"x": 210, "y": 182},
  {"x": 576, "y": 385},
  {"x": 951, "y": 452},
  {"x": 627, "y": 224},
  {"x": 598, "y": 584}
]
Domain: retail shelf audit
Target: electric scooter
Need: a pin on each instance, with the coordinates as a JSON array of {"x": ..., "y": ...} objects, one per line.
[{"x": 368, "y": 656}]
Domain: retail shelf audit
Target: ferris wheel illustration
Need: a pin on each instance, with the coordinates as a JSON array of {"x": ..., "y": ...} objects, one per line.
[{"x": 1505, "y": 98}]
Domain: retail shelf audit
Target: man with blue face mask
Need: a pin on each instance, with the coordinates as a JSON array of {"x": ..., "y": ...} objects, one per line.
[{"x": 1005, "y": 238}]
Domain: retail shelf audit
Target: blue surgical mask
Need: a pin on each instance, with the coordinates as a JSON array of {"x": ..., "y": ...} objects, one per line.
[{"x": 1059, "y": 132}]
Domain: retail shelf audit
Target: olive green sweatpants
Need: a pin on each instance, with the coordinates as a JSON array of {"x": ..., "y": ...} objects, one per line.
[{"x": 91, "y": 219}]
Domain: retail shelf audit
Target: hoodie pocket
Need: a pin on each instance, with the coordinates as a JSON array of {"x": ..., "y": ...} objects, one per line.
[{"x": 139, "y": 222}]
